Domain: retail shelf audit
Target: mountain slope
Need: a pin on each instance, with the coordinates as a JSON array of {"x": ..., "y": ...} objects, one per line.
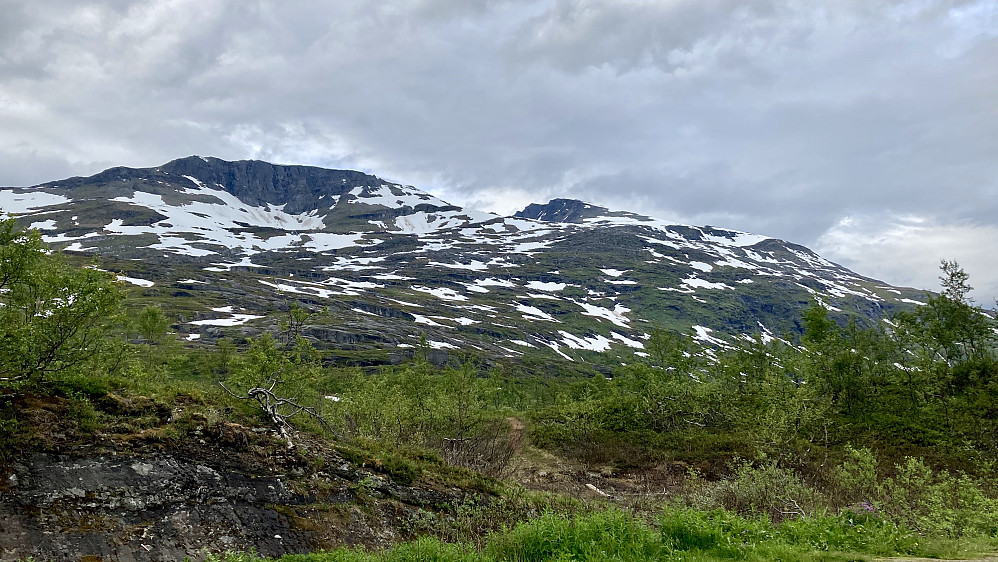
[{"x": 222, "y": 245}]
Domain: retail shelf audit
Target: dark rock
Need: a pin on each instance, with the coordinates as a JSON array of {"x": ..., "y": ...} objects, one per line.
[
  {"x": 561, "y": 210},
  {"x": 157, "y": 508}
]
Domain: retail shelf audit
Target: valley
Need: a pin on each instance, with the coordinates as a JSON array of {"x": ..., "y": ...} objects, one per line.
[{"x": 241, "y": 361}]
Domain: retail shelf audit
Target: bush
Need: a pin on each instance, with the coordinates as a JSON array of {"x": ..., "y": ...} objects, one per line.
[
  {"x": 855, "y": 480},
  {"x": 933, "y": 502},
  {"x": 767, "y": 489},
  {"x": 11, "y": 436},
  {"x": 401, "y": 470},
  {"x": 938, "y": 503}
]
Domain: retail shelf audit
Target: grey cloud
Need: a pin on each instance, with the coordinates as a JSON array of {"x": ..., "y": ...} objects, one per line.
[
  {"x": 776, "y": 116},
  {"x": 906, "y": 250},
  {"x": 576, "y": 34}
]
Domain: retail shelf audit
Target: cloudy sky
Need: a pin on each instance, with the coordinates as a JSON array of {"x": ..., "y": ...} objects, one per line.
[{"x": 865, "y": 129}]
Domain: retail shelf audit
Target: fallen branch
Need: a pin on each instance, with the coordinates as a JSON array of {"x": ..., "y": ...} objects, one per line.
[{"x": 272, "y": 404}]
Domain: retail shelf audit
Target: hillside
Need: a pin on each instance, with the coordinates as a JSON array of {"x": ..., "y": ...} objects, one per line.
[
  {"x": 221, "y": 245},
  {"x": 122, "y": 439}
]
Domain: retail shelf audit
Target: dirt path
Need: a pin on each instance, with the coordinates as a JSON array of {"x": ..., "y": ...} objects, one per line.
[{"x": 516, "y": 427}]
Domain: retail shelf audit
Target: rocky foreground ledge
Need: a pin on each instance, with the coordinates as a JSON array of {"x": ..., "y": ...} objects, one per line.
[{"x": 209, "y": 487}]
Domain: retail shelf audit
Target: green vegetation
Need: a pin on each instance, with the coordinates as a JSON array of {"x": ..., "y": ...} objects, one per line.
[
  {"x": 677, "y": 534},
  {"x": 840, "y": 443},
  {"x": 53, "y": 318},
  {"x": 923, "y": 382},
  {"x": 278, "y": 376},
  {"x": 452, "y": 411}
]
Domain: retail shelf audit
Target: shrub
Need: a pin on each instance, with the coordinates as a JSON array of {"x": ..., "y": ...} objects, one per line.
[
  {"x": 766, "y": 489},
  {"x": 855, "y": 480},
  {"x": 401, "y": 470},
  {"x": 933, "y": 502},
  {"x": 611, "y": 535},
  {"x": 938, "y": 502},
  {"x": 54, "y": 318}
]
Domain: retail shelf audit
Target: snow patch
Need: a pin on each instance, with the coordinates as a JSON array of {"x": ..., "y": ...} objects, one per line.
[
  {"x": 534, "y": 313},
  {"x": 627, "y": 341},
  {"x": 235, "y": 320},
  {"x": 28, "y": 201},
  {"x": 48, "y": 224},
  {"x": 616, "y": 315},
  {"x": 134, "y": 281},
  {"x": 441, "y": 293},
  {"x": 545, "y": 286},
  {"x": 475, "y": 265},
  {"x": 591, "y": 343},
  {"x": 698, "y": 283},
  {"x": 420, "y": 319},
  {"x": 702, "y": 333}
]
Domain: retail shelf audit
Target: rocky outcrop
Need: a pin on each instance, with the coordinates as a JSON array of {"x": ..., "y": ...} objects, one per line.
[
  {"x": 130, "y": 508},
  {"x": 260, "y": 183},
  {"x": 561, "y": 210},
  {"x": 171, "y": 507},
  {"x": 162, "y": 481}
]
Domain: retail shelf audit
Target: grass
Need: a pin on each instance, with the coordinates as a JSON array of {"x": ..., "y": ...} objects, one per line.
[{"x": 679, "y": 534}]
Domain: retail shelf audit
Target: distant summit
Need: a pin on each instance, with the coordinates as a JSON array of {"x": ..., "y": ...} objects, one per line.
[
  {"x": 254, "y": 182},
  {"x": 561, "y": 210},
  {"x": 575, "y": 211}
]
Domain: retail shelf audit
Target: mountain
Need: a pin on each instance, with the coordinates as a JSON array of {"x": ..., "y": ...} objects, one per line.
[
  {"x": 575, "y": 211},
  {"x": 223, "y": 245}
]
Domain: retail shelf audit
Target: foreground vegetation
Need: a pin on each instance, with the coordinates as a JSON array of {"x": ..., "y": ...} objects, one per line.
[
  {"x": 838, "y": 443},
  {"x": 678, "y": 534}
]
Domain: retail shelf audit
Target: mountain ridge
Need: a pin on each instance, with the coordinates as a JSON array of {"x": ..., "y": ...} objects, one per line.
[{"x": 565, "y": 279}]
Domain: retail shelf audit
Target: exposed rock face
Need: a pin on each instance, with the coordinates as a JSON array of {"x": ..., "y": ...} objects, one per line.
[
  {"x": 252, "y": 181},
  {"x": 261, "y": 183},
  {"x": 560, "y": 210},
  {"x": 132, "y": 508},
  {"x": 164, "y": 484},
  {"x": 118, "y": 508},
  {"x": 572, "y": 211}
]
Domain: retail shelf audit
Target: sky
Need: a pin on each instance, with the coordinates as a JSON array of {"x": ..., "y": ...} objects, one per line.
[{"x": 866, "y": 130}]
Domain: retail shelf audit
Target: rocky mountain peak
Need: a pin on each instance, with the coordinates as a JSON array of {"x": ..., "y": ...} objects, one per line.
[
  {"x": 575, "y": 211},
  {"x": 561, "y": 210},
  {"x": 261, "y": 183}
]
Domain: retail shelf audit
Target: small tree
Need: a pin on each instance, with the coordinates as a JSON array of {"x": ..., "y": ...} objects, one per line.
[
  {"x": 152, "y": 325},
  {"x": 953, "y": 342},
  {"x": 53, "y": 317},
  {"x": 955, "y": 281},
  {"x": 950, "y": 329},
  {"x": 278, "y": 374},
  {"x": 672, "y": 351}
]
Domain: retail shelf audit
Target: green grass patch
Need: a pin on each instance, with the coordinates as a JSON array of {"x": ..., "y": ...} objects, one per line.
[{"x": 678, "y": 534}]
